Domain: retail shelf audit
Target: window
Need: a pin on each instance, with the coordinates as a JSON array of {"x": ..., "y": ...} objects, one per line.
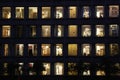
[
  {"x": 113, "y": 11},
  {"x": 59, "y": 12},
  {"x": 46, "y": 30},
  {"x": 115, "y": 69},
  {"x": 6, "y": 31},
  {"x": 100, "y": 70},
  {"x": 59, "y": 68},
  {"x": 59, "y": 31},
  {"x": 19, "y": 49},
  {"x": 32, "y": 49},
  {"x": 100, "y": 31},
  {"x": 33, "y": 31},
  {"x": 72, "y": 12},
  {"x": 59, "y": 50},
  {"x": 72, "y": 69},
  {"x": 114, "y": 30},
  {"x": 86, "y": 69},
  {"x": 100, "y": 49},
  {"x": 6, "y": 12},
  {"x": 5, "y": 68},
  {"x": 86, "y": 12},
  {"x": 45, "y": 49},
  {"x": 46, "y": 70},
  {"x": 72, "y": 49},
  {"x": 33, "y": 12},
  {"x": 86, "y": 30},
  {"x": 19, "y": 12},
  {"x": 114, "y": 49},
  {"x": 99, "y": 11},
  {"x": 31, "y": 69},
  {"x": 72, "y": 30},
  {"x": 86, "y": 49},
  {"x": 46, "y": 12},
  {"x": 19, "y": 32},
  {"x": 19, "y": 68},
  {"x": 6, "y": 50}
]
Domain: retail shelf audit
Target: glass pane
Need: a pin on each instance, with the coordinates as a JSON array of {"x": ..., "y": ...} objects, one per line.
[
  {"x": 86, "y": 12},
  {"x": 45, "y": 49},
  {"x": 46, "y": 12},
  {"x": 6, "y": 50},
  {"x": 100, "y": 69},
  {"x": 72, "y": 49},
  {"x": 72, "y": 69},
  {"x": 114, "y": 30},
  {"x": 59, "y": 12},
  {"x": 59, "y": 31},
  {"x": 33, "y": 31},
  {"x": 86, "y": 49},
  {"x": 46, "y": 31},
  {"x": 46, "y": 70},
  {"x": 100, "y": 49},
  {"x": 99, "y": 11},
  {"x": 6, "y": 12},
  {"x": 72, "y": 30},
  {"x": 59, "y": 49},
  {"x": 19, "y": 12},
  {"x": 59, "y": 68},
  {"x": 86, "y": 30},
  {"x": 114, "y": 49},
  {"x": 72, "y": 12},
  {"x": 113, "y": 11},
  {"x": 33, "y": 12},
  {"x": 100, "y": 32},
  {"x": 19, "y": 49},
  {"x": 32, "y": 49},
  {"x": 6, "y": 31}
]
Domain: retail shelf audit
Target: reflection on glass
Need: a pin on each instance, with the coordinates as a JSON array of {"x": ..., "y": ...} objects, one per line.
[
  {"x": 6, "y": 12},
  {"x": 6, "y": 50},
  {"x": 72, "y": 49},
  {"x": 113, "y": 11},
  {"x": 100, "y": 49},
  {"x": 86, "y": 12},
  {"x": 72, "y": 69},
  {"x": 100, "y": 31},
  {"x": 46, "y": 12},
  {"x": 19, "y": 12},
  {"x": 46, "y": 30},
  {"x": 86, "y": 69},
  {"x": 31, "y": 69},
  {"x": 19, "y": 49},
  {"x": 115, "y": 69},
  {"x": 100, "y": 70},
  {"x": 59, "y": 12},
  {"x": 33, "y": 12},
  {"x": 72, "y": 12},
  {"x": 46, "y": 70},
  {"x": 99, "y": 11},
  {"x": 59, "y": 68},
  {"x": 86, "y": 49},
  {"x": 32, "y": 49},
  {"x": 86, "y": 30},
  {"x": 6, "y": 31},
  {"x": 59, "y": 31},
  {"x": 114, "y": 30},
  {"x": 59, "y": 49},
  {"x": 72, "y": 30},
  {"x": 19, "y": 68},
  {"x": 45, "y": 49},
  {"x": 33, "y": 31},
  {"x": 114, "y": 49}
]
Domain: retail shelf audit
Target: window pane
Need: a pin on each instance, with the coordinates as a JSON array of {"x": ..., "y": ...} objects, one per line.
[
  {"x": 72, "y": 12},
  {"x": 6, "y": 12},
  {"x": 59, "y": 31},
  {"x": 115, "y": 69},
  {"x": 33, "y": 31},
  {"x": 72, "y": 30},
  {"x": 19, "y": 68},
  {"x": 19, "y": 31},
  {"x": 32, "y": 49},
  {"x": 72, "y": 69},
  {"x": 100, "y": 49},
  {"x": 19, "y": 49},
  {"x": 114, "y": 49},
  {"x": 86, "y": 12},
  {"x": 45, "y": 49},
  {"x": 6, "y": 31},
  {"x": 46, "y": 12},
  {"x": 59, "y": 49},
  {"x": 99, "y": 11},
  {"x": 72, "y": 49},
  {"x": 46, "y": 30},
  {"x": 59, "y": 68},
  {"x": 100, "y": 32},
  {"x": 59, "y": 12},
  {"x": 100, "y": 69},
  {"x": 86, "y": 49},
  {"x": 114, "y": 30},
  {"x": 113, "y": 11},
  {"x": 86, "y": 30},
  {"x": 31, "y": 70},
  {"x": 46, "y": 70},
  {"x": 6, "y": 50},
  {"x": 86, "y": 69},
  {"x": 19, "y": 12},
  {"x": 33, "y": 12}
]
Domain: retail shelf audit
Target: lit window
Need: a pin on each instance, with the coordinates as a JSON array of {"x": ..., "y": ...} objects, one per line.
[
  {"x": 45, "y": 49},
  {"x": 59, "y": 12},
  {"x": 86, "y": 12},
  {"x": 86, "y": 30},
  {"x": 99, "y": 11},
  {"x": 113, "y": 11},
  {"x": 72, "y": 49},
  {"x": 31, "y": 69},
  {"x": 6, "y": 31},
  {"x": 59, "y": 50},
  {"x": 19, "y": 49},
  {"x": 100, "y": 49},
  {"x": 33, "y": 12},
  {"x": 46, "y": 12},
  {"x": 100, "y": 31},
  {"x": 59, "y": 31},
  {"x": 19, "y": 12},
  {"x": 46, "y": 70},
  {"x": 86, "y": 69},
  {"x": 19, "y": 68},
  {"x": 114, "y": 30},
  {"x": 5, "y": 69},
  {"x": 115, "y": 69},
  {"x": 72, "y": 30},
  {"x": 72, "y": 12},
  {"x": 114, "y": 49},
  {"x": 6, "y": 50},
  {"x": 100, "y": 70},
  {"x": 46, "y": 30},
  {"x": 33, "y": 32},
  {"x": 86, "y": 49},
  {"x": 19, "y": 31},
  {"x": 59, "y": 68},
  {"x": 6, "y": 12},
  {"x": 72, "y": 69},
  {"x": 32, "y": 49}
]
